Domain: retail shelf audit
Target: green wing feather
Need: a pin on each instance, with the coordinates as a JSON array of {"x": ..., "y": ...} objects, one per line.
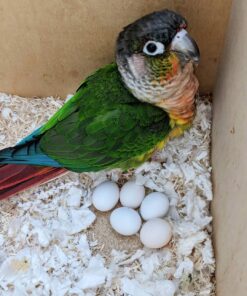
[{"x": 103, "y": 126}]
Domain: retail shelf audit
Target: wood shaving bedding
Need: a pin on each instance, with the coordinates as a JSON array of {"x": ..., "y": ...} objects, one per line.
[{"x": 49, "y": 240}]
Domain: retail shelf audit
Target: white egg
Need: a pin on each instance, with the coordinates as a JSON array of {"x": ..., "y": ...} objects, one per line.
[
  {"x": 125, "y": 221},
  {"x": 132, "y": 194},
  {"x": 156, "y": 233},
  {"x": 154, "y": 205},
  {"x": 105, "y": 196}
]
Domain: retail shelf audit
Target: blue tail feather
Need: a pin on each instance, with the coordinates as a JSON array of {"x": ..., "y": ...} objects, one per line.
[{"x": 27, "y": 152}]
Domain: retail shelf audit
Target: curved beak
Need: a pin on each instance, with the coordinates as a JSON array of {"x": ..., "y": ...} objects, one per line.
[{"x": 183, "y": 43}]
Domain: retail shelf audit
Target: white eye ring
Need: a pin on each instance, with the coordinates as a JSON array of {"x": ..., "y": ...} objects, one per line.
[{"x": 153, "y": 48}]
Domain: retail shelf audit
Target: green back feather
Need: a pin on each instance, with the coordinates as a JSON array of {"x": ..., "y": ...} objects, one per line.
[{"x": 103, "y": 126}]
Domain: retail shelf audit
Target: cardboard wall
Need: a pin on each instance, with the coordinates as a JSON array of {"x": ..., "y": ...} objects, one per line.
[
  {"x": 229, "y": 159},
  {"x": 48, "y": 47}
]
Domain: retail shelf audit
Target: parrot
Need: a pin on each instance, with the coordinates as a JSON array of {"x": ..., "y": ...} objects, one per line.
[{"x": 121, "y": 114}]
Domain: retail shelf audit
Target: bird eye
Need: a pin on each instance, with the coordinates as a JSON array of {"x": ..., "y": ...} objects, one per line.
[{"x": 153, "y": 48}]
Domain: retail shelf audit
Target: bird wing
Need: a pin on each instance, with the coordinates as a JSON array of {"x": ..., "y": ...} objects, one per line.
[{"x": 101, "y": 127}]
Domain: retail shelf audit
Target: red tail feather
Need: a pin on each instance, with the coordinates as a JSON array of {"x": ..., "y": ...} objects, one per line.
[{"x": 16, "y": 178}]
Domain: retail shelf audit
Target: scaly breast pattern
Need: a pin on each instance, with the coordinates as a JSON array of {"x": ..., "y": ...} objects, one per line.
[{"x": 173, "y": 91}]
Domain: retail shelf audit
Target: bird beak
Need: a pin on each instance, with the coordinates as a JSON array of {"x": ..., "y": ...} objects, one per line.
[{"x": 184, "y": 44}]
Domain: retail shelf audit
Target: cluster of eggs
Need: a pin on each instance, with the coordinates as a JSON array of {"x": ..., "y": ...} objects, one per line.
[{"x": 155, "y": 232}]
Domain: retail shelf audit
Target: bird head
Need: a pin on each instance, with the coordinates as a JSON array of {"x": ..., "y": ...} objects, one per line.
[{"x": 155, "y": 56}]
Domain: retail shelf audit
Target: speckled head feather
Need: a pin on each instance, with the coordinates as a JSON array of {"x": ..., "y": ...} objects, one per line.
[
  {"x": 156, "y": 57},
  {"x": 160, "y": 26}
]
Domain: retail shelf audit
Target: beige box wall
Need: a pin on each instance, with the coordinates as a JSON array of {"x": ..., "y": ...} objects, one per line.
[
  {"x": 48, "y": 47},
  {"x": 230, "y": 159}
]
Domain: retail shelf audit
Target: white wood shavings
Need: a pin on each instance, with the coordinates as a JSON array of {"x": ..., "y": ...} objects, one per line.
[
  {"x": 45, "y": 249},
  {"x": 74, "y": 197},
  {"x": 162, "y": 288}
]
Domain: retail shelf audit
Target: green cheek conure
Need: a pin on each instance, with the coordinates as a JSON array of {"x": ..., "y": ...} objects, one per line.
[{"x": 120, "y": 114}]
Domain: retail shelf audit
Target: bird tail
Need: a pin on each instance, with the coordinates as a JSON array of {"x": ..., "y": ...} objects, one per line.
[{"x": 16, "y": 178}]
